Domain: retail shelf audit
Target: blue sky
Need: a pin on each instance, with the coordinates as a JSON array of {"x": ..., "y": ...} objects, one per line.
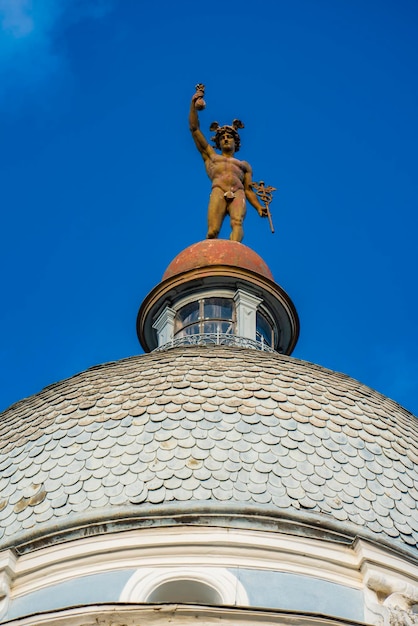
[{"x": 102, "y": 185}]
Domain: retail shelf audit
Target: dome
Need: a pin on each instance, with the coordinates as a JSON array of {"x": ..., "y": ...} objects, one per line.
[
  {"x": 212, "y": 252},
  {"x": 209, "y": 431}
]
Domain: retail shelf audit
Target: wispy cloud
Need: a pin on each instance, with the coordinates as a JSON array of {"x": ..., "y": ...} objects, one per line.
[
  {"x": 27, "y": 32},
  {"x": 16, "y": 18}
]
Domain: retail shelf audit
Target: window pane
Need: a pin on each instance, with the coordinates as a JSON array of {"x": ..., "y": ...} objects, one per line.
[
  {"x": 264, "y": 329},
  {"x": 218, "y": 313},
  {"x": 193, "y": 329},
  {"x": 217, "y": 327},
  {"x": 218, "y": 308},
  {"x": 189, "y": 313}
]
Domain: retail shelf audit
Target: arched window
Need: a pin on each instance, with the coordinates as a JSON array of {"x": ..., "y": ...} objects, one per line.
[
  {"x": 207, "y": 315},
  {"x": 182, "y": 585}
]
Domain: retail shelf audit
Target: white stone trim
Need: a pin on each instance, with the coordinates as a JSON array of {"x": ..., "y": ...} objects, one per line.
[
  {"x": 7, "y": 570},
  {"x": 391, "y": 597},
  {"x": 374, "y": 560},
  {"x": 357, "y": 566},
  {"x": 164, "y": 325},
  {"x": 391, "y": 585},
  {"x": 141, "y": 584},
  {"x": 246, "y": 305},
  {"x": 173, "y": 614},
  {"x": 201, "y": 546}
]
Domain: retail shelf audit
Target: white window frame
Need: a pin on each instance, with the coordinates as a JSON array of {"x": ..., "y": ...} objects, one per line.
[{"x": 146, "y": 580}]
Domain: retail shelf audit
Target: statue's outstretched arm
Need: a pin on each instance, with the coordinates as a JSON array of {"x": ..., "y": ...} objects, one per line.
[
  {"x": 200, "y": 140},
  {"x": 250, "y": 194}
]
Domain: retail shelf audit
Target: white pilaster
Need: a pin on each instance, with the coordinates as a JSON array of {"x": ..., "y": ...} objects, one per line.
[
  {"x": 164, "y": 325},
  {"x": 246, "y": 305},
  {"x": 7, "y": 571}
]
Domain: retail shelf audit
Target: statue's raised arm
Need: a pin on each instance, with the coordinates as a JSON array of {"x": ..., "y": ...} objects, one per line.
[
  {"x": 197, "y": 104},
  {"x": 231, "y": 178}
]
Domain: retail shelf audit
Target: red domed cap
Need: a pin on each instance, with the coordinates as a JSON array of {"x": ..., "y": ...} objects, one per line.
[{"x": 217, "y": 252}]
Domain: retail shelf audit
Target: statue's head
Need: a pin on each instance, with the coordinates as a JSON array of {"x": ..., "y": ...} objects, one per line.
[{"x": 220, "y": 131}]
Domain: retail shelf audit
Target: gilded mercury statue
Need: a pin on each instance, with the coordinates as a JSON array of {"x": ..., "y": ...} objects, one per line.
[{"x": 231, "y": 178}]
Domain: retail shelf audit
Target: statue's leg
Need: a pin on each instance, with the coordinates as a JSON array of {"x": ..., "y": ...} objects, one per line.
[
  {"x": 216, "y": 212},
  {"x": 237, "y": 211}
]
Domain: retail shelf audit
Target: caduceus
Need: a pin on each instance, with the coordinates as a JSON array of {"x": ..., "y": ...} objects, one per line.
[{"x": 266, "y": 195}]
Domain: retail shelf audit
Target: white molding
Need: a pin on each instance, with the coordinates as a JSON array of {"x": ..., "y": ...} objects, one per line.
[
  {"x": 389, "y": 582},
  {"x": 146, "y": 580},
  {"x": 7, "y": 571},
  {"x": 167, "y": 549},
  {"x": 175, "y": 614},
  {"x": 201, "y": 546},
  {"x": 375, "y": 562}
]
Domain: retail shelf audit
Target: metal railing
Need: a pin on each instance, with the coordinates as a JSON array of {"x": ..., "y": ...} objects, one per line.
[{"x": 217, "y": 339}]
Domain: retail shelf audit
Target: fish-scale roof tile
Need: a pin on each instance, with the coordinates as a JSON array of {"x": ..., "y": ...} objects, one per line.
[{"x": 210, "y": 425}]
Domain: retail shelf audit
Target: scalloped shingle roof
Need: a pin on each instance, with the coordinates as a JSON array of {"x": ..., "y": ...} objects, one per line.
[{"x": 204, "y": 424}]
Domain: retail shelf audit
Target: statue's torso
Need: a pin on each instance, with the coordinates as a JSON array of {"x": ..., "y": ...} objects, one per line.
[{"x": 226, "y": 172}]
